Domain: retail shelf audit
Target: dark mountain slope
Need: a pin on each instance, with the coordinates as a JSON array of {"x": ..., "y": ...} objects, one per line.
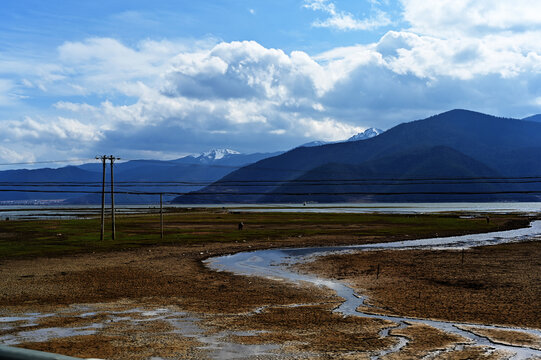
[
  {"x": 342, "y": 182},
  {"x": 491, "y": 140},
  {"x": 136, "y": 173},
  {"x": 47, "y": 176}
]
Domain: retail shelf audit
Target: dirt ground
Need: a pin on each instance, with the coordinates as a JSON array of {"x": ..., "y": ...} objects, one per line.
[{"x": 138, "y": 297}]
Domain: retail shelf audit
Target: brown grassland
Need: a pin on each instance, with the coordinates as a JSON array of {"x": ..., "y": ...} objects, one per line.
[{"x": 495, "y": 284}]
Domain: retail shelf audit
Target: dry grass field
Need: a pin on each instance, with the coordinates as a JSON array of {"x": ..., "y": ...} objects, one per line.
[{"x": 494, "y": 284}]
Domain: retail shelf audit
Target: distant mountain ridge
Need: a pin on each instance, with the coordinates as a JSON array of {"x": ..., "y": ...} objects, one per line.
[
  {"x": 225, "y": 157},
  {"x": 212, "y": 155},
  {"x": 182, "y": 175},
  {"x": 533, "y": 118},
  {"x": 457, "y": 144}
]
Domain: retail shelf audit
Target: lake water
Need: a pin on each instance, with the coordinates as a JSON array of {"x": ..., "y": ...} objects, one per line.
[
  {"x": 40, "y": 212},
  {"x": 44, "y": 212},
  {"x": 403, "y": 208}
]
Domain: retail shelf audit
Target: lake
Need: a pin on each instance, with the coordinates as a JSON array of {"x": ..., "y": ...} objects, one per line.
[{"x": 41, "y": 212}]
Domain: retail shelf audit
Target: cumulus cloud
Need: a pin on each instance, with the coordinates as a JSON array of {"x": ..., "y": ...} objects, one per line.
[
  {"x": 343, "y": 20},
  {"x": 243, "y": 70}
]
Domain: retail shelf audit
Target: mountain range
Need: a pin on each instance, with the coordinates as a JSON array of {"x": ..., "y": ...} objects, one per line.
[
  {"x": 68, "y": 184},
  {"x": 458, "y": 155},
  {"x": 82, "y": 184}
]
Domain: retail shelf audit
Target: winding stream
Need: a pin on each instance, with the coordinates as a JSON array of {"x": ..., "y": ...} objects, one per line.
[{"x": 275, "y": 264}]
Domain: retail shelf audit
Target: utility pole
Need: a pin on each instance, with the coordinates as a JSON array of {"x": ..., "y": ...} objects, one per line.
[
  {"x": 161, "y": 216},
  {"x": 112, "y": 159},
  {"x": 103, "y": 159}
]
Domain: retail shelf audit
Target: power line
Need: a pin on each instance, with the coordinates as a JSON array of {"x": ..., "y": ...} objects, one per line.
[
  {"x": 532, "y": 178},
  {"x": 285, "y": 193},
  {"x": 263, "y": 183}
]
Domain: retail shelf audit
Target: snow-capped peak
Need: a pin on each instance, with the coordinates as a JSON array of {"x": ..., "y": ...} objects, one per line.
[
  {"x": 367, "y": 134},
  {"x": 216, "y": 154}
]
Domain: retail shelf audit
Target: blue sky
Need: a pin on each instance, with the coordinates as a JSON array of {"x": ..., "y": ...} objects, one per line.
[{"x": 162, "y": 79}]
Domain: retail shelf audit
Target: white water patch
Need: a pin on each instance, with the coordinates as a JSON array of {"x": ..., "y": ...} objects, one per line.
[
  {"x": 218, "y": 345},
  {"x": 25, "y": 320},
  {"x": 274, "y": 263},
  {"x": 46, "y": 334}
]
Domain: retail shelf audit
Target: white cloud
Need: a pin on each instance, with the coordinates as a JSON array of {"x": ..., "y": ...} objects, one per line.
[
  {"x": 323, "y": 5},
  {"x": 61, "y": 129},
  {"x": 9, "y": 155},
  {"x": 244, "y": 69},
  {"x": 345, "y": 21},
  {"x": 105, "y": 65},
  {"x": 458, "y": 17},
  {"x": 102, "y": 66},
  {"x": 75, "y": 107},
  {"x": 75, "y": 130},
  {"x": 327, "y": 129},
  {"x": 430, "y": 58}
]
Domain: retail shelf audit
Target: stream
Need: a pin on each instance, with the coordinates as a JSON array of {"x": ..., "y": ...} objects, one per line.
[{"x": 276, "y": 264}]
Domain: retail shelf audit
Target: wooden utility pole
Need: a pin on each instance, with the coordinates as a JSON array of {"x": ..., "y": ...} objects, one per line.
[
  {"x": 112, "y": 159},
  {"x": 161, "y": 216},
  {"x": 103, "y": 159}
]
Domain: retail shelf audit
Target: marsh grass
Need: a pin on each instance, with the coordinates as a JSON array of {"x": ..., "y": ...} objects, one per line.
[{"x": 34, "y": 238}]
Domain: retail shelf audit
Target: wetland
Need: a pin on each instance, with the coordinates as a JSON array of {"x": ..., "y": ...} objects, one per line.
[{"x": 141, "y": 296}]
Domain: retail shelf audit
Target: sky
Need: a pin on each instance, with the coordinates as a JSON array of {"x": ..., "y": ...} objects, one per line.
[{"x": 163, "y": 79}]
